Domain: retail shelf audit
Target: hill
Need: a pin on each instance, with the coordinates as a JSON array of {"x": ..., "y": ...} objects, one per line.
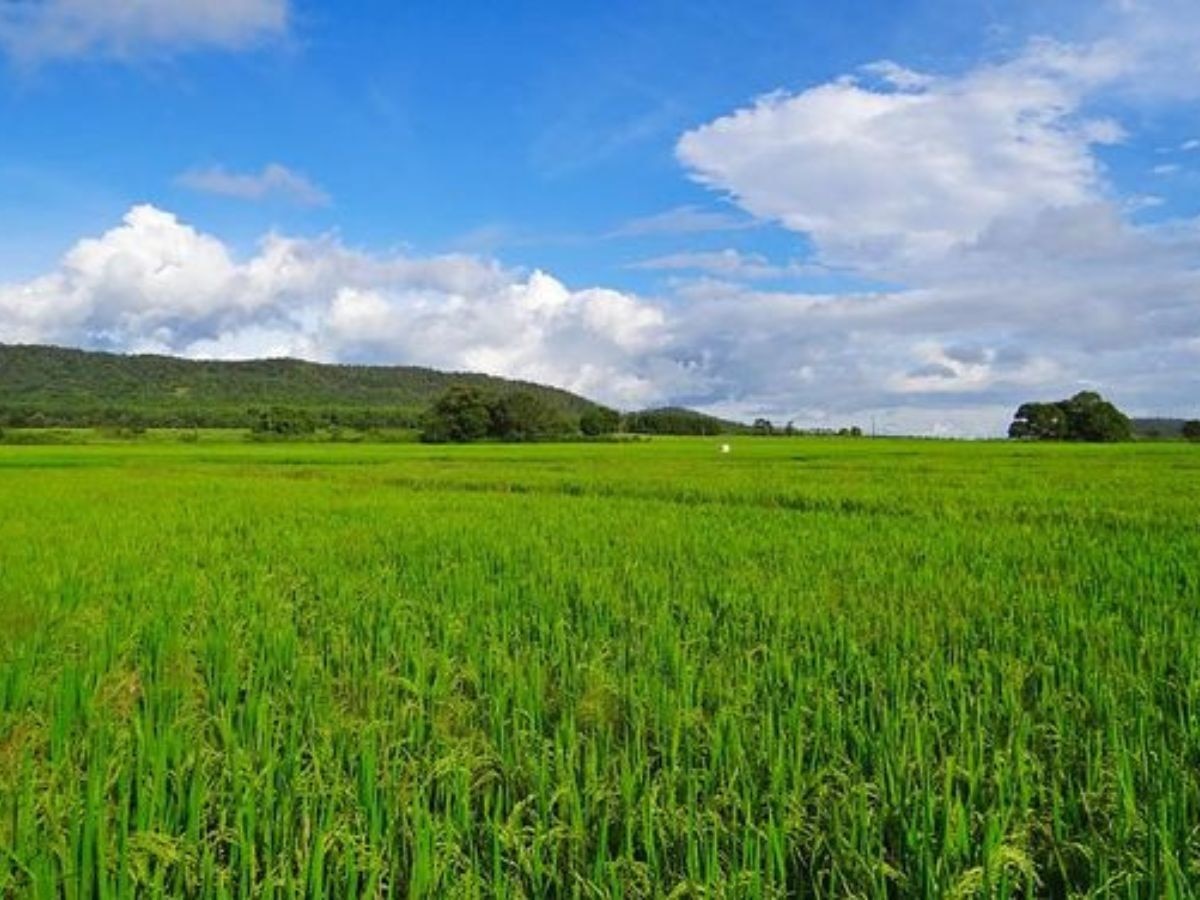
[
  {"x": 1158, "y": 428},
  {"x": 58, "y": 386}
]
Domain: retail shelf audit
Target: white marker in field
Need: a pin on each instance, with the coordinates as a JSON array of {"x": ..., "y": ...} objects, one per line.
[{"x": 724, "y": 448}]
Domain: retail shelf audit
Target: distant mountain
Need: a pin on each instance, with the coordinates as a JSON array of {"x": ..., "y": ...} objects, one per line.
[
  {"x": 58, "y": 386},
  {"x": 1166, "y": 428}
]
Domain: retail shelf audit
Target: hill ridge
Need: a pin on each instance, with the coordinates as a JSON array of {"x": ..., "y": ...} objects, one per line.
[{"x": 42, "y": 384}]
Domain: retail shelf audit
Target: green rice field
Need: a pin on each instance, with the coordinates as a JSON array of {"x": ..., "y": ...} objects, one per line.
[{"x": 807, "y": 668}]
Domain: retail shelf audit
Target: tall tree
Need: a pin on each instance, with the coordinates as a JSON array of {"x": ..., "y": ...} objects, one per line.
[
  {"x": 1085, "y": 417},
  {"x": 463, "y": 413},
  {"x": 598, "y": 420},
  {"x": 523, "y": 416}
]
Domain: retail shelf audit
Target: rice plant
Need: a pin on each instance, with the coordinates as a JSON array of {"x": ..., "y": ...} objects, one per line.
[{"x": 811, "y": 668}]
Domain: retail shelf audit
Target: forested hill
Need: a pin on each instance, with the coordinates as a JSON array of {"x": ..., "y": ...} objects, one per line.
[
  {"x": 58, "y": 386},
  {"x": 1159, "y": 428}
]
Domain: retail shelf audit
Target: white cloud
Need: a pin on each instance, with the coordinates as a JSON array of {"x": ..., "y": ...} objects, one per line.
[
  {"x": 983, "y": 195},
  {"x": 1030, "y": 309},
  {"x": 36, "y": 30},
  {"x": 683, "y": 220},
  {"x": 910, "y": 169},
  {"x": 1159, "y": 45},
  {"x": 728, "y": 263},
  {"x": 274, "y": 180},
  {"x": 156, "y": 284}
]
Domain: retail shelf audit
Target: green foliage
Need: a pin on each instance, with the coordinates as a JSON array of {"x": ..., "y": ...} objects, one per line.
[
  {"x": 817, "y": 668},
  {"x": 1085, "y": 417},
  {"x": 1039, "y": 421},
  {"x": 51, "y": 386},
  {"x": 523, "y": 416},
  {"x": 464, "y": 414},
  {"x": 460, "y": 415},
  {"x": 282, "y": 422},
  {"x": 599, "y": 420},
  {"x": 677, "y": 421},
  {"x": 1191, "y": 430}
]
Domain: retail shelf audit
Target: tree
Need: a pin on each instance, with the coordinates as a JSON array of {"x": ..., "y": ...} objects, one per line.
[
  {"x": 1092, "y": 418},
  {"x": 1039, "y": 422},
  {"x": 462, "y": 413},
  {"x": 1191, "y": 430},
  {"x": 523, "y": 416},
  {"x": 763, "y": 426},
  {"x": 1085, "y": 417},
  {"x": 598, "y": 420}
]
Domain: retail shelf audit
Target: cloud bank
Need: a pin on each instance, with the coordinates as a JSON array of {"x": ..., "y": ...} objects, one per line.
[
  {"x": 949, "y": 358},
  {"x": 984, "y": 194}
]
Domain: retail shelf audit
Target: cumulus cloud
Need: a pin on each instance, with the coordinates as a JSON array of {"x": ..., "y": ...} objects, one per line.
[
  {"x": 36, "y": 30},
  {"x": 156, "y": 284},
  {"x": 907, "y": 168},
  {"x": 983, "y": 195},
  {"x": 1086, "y": 297},
  {"x": 274, "y": 180}
]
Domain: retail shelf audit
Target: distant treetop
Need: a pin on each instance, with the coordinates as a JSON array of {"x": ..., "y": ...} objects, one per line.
[{"x": 1085, "y": 417}]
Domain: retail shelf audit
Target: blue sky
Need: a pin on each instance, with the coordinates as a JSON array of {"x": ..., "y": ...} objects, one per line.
[{"x": 921, "y": 212}]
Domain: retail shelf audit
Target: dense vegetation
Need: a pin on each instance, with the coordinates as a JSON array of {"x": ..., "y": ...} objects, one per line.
[
  {"x": 1085, "y": 417},
  {"x": 806, "y": 668},
  {"x": 678, "y": 421},
  {"x": 463, "y": 414},
  {"x": 54, "y": 387},
  {"x": 42, "y": 386}
]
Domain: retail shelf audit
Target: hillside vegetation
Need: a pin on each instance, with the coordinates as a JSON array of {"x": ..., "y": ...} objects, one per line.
[{"x": 58, "y": 386}]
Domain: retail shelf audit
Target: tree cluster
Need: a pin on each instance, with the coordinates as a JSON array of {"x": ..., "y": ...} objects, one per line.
[
  {"x": 674, "y": 420},
  {"x": 767, "y": 428},
  {"x": 466, "y": 413},
  {"x": 281, "y": 422},
  {"x": 1085, "y": 417}
]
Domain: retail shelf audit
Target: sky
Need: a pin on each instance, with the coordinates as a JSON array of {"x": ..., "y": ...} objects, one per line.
[{"x": 911, "y": 213}]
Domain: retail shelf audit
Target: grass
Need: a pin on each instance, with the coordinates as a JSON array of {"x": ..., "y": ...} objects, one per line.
[{"x": 809, "y": 668}]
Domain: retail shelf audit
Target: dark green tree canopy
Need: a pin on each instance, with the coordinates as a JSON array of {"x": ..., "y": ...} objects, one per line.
[
  {"x": 1085, "y": 417},
  {"x": 463, "y": 413},
  {"x": 1191, "y": 429},
  {"x": 523, "y": 416},
  {"x": 598, "y": 420}
]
